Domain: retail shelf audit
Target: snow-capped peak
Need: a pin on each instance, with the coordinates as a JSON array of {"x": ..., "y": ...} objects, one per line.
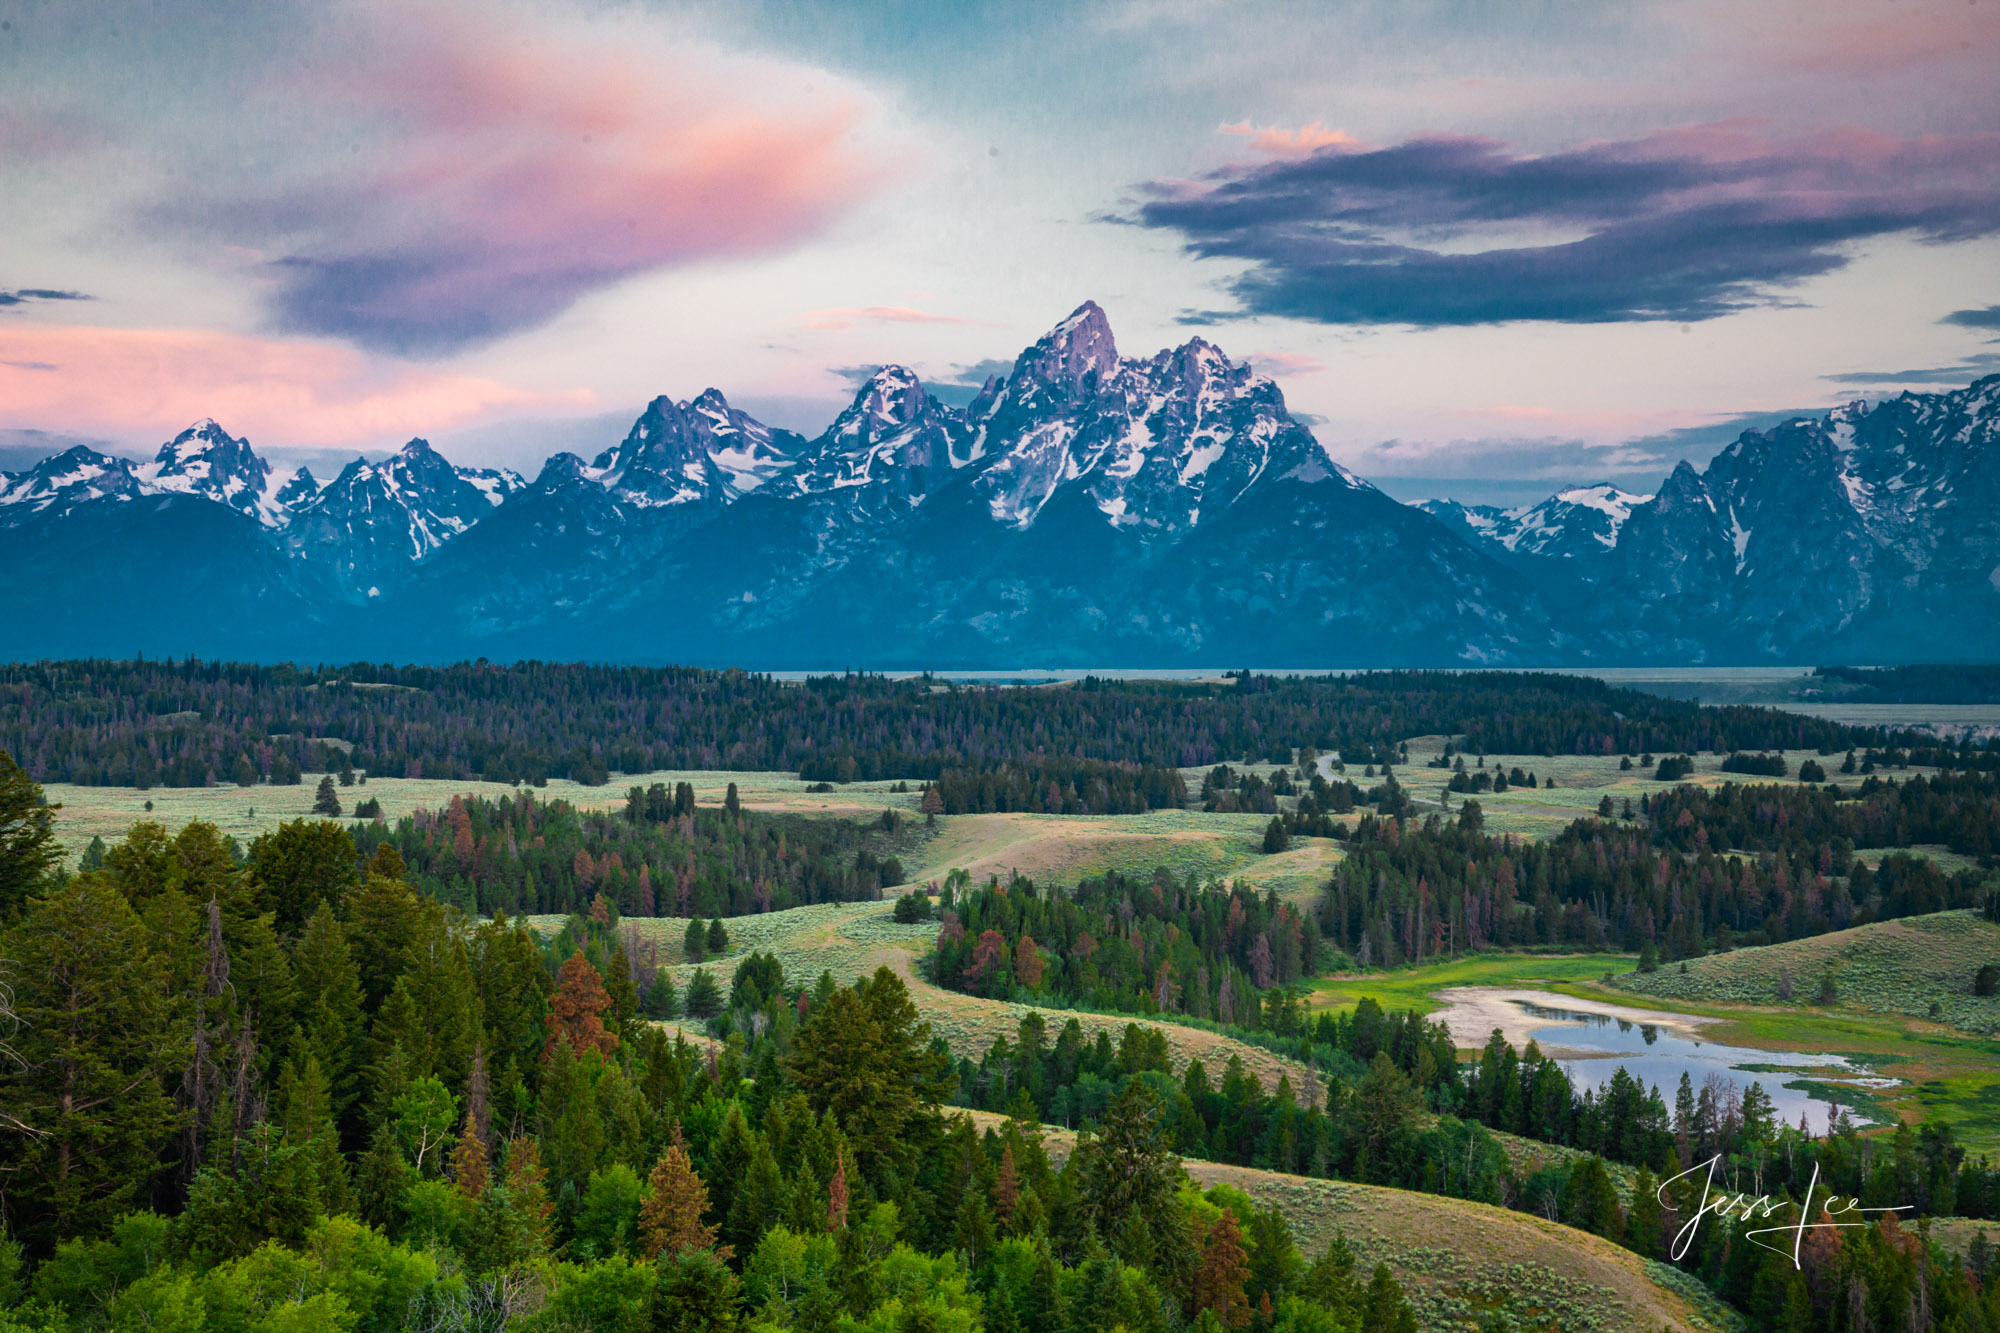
[
  {"x": 1073, "y": 352},
  {"x": 702, "y": 450},
  {"x": 208, "y": 461}
]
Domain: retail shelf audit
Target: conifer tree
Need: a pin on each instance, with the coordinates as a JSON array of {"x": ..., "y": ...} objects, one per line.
[
  {"x": 468, "y": 1159},
  {"x": 382, "y": 920},
  {"x": 694, "y": 941},
  {"x": 1220, "y": 1274},
  {"x": 624, "y": 996},
  {"x": 93, "y": 1044},
  {"x": 527, "y": 1187},
  {"x": 305, "y": 1113},
  {"x": 303, "y": 864},
  {"x": 759, "y": 1199},
  {"x": 28, "y": 847},
  {"x": 670, "y": 1219},
  {"x": 326, "y": 801},
  {"x": 576, "y": 1015},
  {"x": 1384, "y": 1309},
  {"x": 836, "y": 1200},
  {"x": 330, "y": 1020},
  {"x": 704, "y": 997}
]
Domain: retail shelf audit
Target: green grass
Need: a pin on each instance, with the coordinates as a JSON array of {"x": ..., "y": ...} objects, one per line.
[
  {"x": 1920, "y": 966},
  {"x": 244, "y": 813},
  {"x": 1411, "y": 987}
]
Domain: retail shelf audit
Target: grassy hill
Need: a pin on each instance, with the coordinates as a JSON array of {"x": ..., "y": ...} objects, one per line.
[
  {"x": 1920, "y": 966},
  {"x": 1461, "y": 1262}
]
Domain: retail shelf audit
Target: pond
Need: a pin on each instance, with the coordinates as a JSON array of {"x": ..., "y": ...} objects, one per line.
[{"x": 1592, "y": 1041}]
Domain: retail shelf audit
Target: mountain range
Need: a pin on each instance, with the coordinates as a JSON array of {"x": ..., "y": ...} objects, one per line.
[{"x": 1085, "y": 508}]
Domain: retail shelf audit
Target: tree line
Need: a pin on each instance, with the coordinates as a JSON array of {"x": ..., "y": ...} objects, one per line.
[
  {"x": 661, "y": 856},
  {"x": 189, "y": 723},
  {"x": 1410, "y": 890},
  {"x": 1959, "y": 810},
  {"x": 1163, "y": 945}
]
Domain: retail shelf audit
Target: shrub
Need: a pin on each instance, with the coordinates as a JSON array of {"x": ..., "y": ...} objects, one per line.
[
  {"x": 1758, "y": 765},
  {"x": 1673, "y": 768}
]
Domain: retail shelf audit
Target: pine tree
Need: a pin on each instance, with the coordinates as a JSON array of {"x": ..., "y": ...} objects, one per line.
[
  {"x": 527, "y": 1187},
  {"x": 697, "y": 1294},
  {"x": 305, "y": 863},
  {"x": 305, "y": 1113},
  {"x": 28, "y": 847},
  {"x": 382, "y": 1176},
  {"x": 865, "y": 1056},
  {"x": 661, "y": 1002},
  {"x": 1384, "y": 1308},
  {"x": 326, "y": 801},
  {"x": 758, "y": 1200},
  {"x": 704, "y": 997},
  {"x": 670, "y": 1219},
  {"x": 1221, "y": 1272},
  {"x": 694, "y": 943},
  {"x": 624, "y": 996},
  {"x": 330, "y": 1020},
  {"x": 576, "y": 1016},
  {"x": 718, "y": 938},
  {"x": 1006, "y": 1187},
  {"x": 468, "y": 1158},
  {"x": 836, "y": 1196},
  {"x": 93, "y": 1045},
  {"x": 382, "y": 920}
]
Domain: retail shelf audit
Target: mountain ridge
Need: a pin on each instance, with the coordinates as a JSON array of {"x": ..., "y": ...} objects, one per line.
[{"x": 1085, "y": 506}]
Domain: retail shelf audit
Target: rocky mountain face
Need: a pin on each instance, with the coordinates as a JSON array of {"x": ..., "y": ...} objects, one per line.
[
  {"x": 1087, "y": 508},
  {"x": 375, "y": 522},
  {"x": 1872, "y": 533},
  {"x": 1580, "y": 523}
]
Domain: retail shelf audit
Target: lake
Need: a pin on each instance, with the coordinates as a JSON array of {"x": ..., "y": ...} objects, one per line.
[{"x": 1592, "y": 1041}]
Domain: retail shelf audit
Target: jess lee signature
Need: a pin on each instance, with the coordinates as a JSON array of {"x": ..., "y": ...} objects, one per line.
[{"x": 1747, "y": 1208}]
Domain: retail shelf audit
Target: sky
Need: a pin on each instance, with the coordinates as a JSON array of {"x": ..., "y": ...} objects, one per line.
[{"x": 1484, "y": 250}]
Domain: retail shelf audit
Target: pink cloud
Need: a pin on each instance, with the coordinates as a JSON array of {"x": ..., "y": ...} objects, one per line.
[
  {"x": 846, "y": 317},
  {"x": 510, "y": 168},
  {"x": 139, "y": 383},
  {"x": 1289, "y": 364},
  {"x": 1301, "y": 142}
]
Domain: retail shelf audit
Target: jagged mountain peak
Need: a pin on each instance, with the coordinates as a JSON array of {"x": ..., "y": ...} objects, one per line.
[
  {"x": 62, "y": 481},
  {"x": 300, "y": 487},
  {"x": 1076, "y": 355},
  {"x": 701, "y": 451},
  {"x": 559, "y": 470},
  {"x": 208, "y": 461}
]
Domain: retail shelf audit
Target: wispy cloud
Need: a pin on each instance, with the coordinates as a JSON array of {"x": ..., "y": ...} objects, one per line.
[
  {"x": 23, "y": 295},
  {"x": 139, "y": 382},
  {"x": 1684, "y": 225},
  {"x": 1988, "y": 318},
  {"x": 504, "y": 168},
  {"x": 1280, "y": 142},
  {"x": 1973, "y": 367},
  {"x": 846, "y": 317}
]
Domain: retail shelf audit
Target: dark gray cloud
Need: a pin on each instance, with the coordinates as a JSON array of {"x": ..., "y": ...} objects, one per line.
[
  {"x": 22, "y": 295},
  {"x": 1989, "y": 318},
  {"x": 30, "y": 365},
  {"x": 1687, "y": 225},
  {"x": 1971, "y": 368},
  {"x": 854, "y": 376}
]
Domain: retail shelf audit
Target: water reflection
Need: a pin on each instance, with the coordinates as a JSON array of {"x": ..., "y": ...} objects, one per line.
[{"x": 1593, "y": 1045}]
